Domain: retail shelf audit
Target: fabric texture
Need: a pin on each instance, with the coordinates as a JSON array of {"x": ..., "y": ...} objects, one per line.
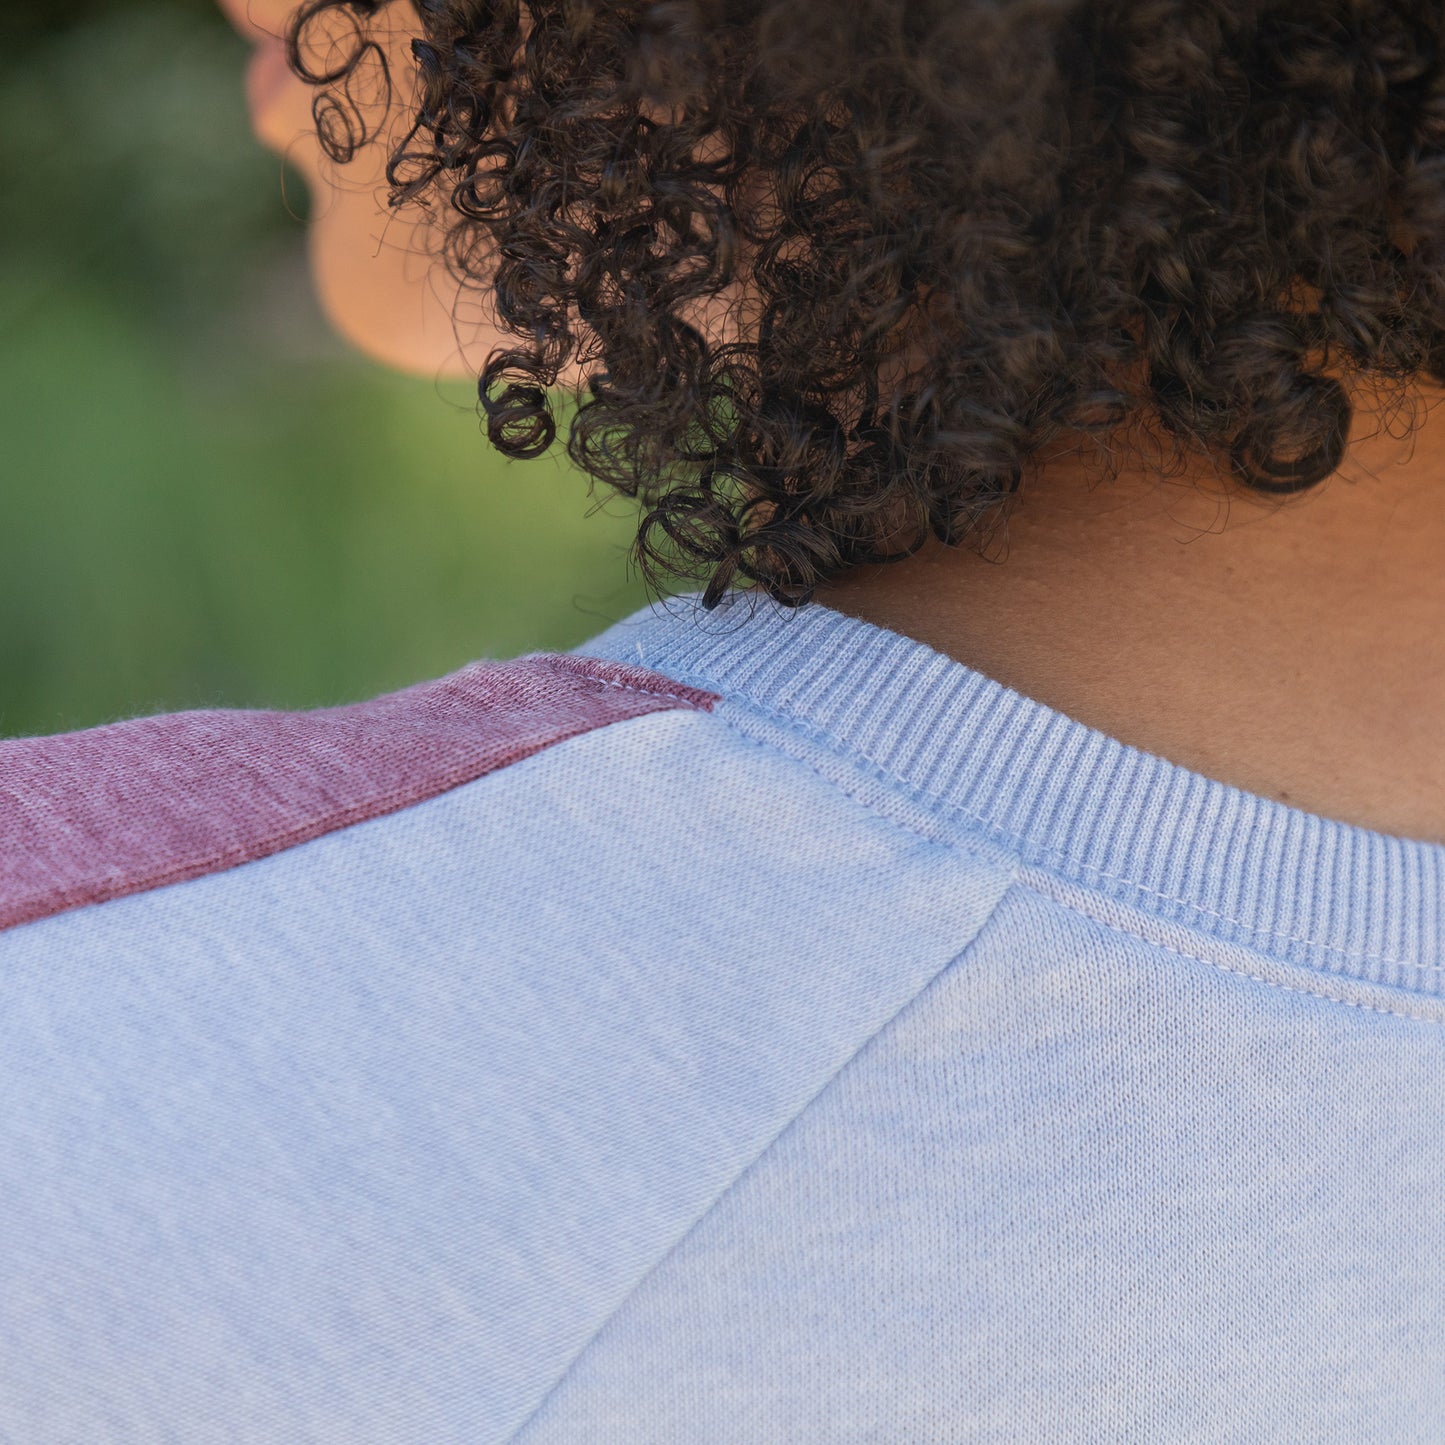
[
  {"x": 114, "y": 810},
  {"x": 852, "y": 1050}
]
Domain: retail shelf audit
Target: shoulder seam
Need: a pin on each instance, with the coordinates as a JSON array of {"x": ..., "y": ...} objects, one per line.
[
  {"x": 133, "y": 806},
  {"x": 952, "y": 962},
  {"x": 1033, "y": 880}
]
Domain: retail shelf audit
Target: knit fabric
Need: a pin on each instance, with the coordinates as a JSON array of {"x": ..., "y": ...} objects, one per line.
[
  {"x": 854, "y": 1050},
  {"x": 94, "y": 815}
]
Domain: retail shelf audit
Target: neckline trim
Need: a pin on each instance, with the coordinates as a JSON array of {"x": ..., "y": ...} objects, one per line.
[{"x": 1063, "y": 796}]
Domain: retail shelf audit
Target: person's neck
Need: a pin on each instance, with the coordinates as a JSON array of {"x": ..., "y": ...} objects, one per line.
[{"x": 1294, "y": 651}]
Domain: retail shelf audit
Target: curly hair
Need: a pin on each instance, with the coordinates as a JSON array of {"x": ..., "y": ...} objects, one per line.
[{"x": 946, "y": 232}]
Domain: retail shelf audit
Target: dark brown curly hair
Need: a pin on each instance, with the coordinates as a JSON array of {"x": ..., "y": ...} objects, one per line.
[{"x": 945, "y": 232}]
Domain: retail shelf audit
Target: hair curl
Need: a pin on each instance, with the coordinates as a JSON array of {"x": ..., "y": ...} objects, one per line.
[{"x": 947, "y": 232}]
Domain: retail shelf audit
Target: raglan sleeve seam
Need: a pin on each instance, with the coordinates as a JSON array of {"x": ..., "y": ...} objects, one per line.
[{"x": 955, "y": 960}]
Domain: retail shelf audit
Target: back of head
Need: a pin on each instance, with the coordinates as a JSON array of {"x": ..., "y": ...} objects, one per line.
[{"x": 836, "y": 275}]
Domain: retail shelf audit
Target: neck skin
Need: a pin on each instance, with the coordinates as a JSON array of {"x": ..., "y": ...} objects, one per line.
[{"x": 1294, "y": 649}]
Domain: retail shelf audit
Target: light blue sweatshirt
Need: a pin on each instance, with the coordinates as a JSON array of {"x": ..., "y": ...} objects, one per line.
[{"x": 802, "y": 1039}]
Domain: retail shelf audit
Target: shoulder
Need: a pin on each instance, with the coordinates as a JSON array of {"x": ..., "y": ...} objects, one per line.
[
  {"x": 121, "y": 809},
  {"x": 518, "y": 973}
]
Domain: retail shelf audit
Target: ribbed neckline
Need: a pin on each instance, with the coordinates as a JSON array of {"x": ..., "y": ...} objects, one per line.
[{"x": 1067, "y": 798}]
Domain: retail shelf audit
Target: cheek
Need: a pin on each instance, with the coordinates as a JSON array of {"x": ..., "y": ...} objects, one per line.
[
  {"x": 376, "y": 284},
  {"x": 375, "y": 273},
  {"x": 258, "y": 19},
  {"x": 382, "y": 288},
  {"x": 280, "y": 106}
]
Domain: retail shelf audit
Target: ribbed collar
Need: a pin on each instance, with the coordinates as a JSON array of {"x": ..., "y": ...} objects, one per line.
[{"x": 1067, "y": 798}]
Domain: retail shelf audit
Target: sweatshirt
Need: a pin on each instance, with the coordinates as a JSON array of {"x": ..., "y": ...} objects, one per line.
[{"x": 750, "y": 1028}]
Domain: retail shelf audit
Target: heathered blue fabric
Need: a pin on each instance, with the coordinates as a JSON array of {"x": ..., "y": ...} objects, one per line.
[{"x": 881, "y": 1056}]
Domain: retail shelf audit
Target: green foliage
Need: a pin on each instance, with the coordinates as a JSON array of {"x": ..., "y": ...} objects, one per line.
[{"x": 23, "y": 23}]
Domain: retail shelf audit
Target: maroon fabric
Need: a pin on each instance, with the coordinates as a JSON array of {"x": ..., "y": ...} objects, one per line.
[{"x": 113, "y": 810}]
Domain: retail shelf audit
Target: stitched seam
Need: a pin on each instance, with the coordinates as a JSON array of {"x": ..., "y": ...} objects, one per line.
[
  {"x": 1323, "y": 993},
  {"x": 1320, "y": 993},
  {"x": 380, "y": 805},
  {"x": 732, "y": 1184},
  {"x": 49, "y": 904},
  {"x": 582, "y": 666},
  {"x": 686, "y": 701},
  {"x": 954, "y": 845},
  {"x": 1087, "y": 871}
]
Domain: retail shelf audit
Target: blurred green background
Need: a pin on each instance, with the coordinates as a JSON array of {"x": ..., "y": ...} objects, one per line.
[{"x": 205, "y": 498}]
